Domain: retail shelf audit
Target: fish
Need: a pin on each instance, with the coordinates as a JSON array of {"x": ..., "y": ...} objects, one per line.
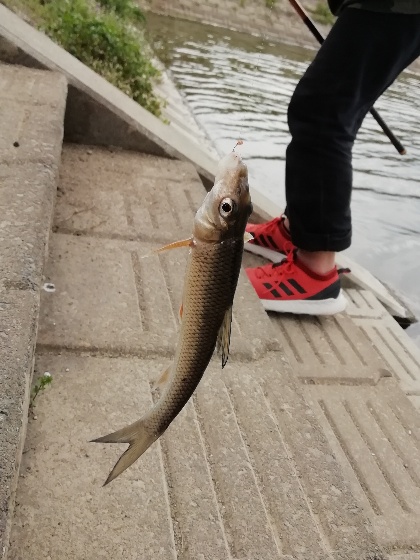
[{"x": 215, "y": 256}]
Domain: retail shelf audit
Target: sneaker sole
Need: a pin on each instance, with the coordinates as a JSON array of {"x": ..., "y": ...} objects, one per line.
[
  {"x": 269, "y": 254},
  {"x": 307, "y": 307}
]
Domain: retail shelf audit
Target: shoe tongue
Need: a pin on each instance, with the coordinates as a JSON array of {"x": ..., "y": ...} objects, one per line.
[
  {"x": 284, "y": 229},
  {"x": 276, "y": 265},
  {"x": 291, "y": 257}
]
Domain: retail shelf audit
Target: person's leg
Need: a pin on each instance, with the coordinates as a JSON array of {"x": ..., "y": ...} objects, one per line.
[
  {"x": 363, "y": 54},
  {"x": 361, "y": 57}
]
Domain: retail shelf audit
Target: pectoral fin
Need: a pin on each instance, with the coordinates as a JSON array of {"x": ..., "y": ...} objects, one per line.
[
  {"x": 174, "y": 245},
  {"x": 223, "y": 337}
]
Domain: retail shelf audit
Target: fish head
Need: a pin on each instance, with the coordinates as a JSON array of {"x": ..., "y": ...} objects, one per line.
[{"x": 227, "y": 207}]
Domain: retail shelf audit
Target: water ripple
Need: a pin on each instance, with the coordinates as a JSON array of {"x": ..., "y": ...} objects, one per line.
[{"x": 240, "y": 86}]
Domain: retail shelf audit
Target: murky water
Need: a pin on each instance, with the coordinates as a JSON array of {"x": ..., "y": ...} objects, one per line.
[{"x": 240, "y": 86}]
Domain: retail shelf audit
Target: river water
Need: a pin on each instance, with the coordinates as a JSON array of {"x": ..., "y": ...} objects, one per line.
[{"x": 239, "y": 86}]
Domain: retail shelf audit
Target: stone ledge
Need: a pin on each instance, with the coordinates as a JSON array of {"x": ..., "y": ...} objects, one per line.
[
  {"x": 97, "y": 112},
  {"x": 32, "y": 104}
]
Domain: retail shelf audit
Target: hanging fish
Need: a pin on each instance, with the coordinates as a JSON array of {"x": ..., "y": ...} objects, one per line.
[{"x": 215, "y": 255}]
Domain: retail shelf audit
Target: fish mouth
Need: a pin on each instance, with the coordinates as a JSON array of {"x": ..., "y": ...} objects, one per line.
[{"x": 227, "y": 206}]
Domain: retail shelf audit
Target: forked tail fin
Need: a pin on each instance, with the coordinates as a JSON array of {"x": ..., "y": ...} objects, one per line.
[{"x": 139, "y": 439}]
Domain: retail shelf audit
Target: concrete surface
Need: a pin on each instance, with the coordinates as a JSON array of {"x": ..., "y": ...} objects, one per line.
[
  {"x": 245, "y": 472},
  {"x": 359, "y": 371},
  {"x": 32, "y": 104},
  {"x": 139, "y": 203},
  {"x": 97, "y": 112},
  {"x": 376, "y": 437},
  {"x": 397, "y": 350},
  {"x": 250, "y": 469},
  {"x": 360, "y": 347},
  {"x": 208, "y": 490}
]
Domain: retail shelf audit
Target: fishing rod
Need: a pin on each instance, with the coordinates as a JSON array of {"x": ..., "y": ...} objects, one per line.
[{"x": 313, "y": 29}]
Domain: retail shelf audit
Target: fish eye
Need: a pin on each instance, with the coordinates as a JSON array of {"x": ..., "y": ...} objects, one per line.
[{"x": 227, "y": 207}]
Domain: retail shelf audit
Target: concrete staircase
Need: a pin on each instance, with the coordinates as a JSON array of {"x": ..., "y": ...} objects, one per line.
[
  {"x": 31, "y": 115},
  {"x": 234, "y": 476},
  {"x": 306, "y": 446}
]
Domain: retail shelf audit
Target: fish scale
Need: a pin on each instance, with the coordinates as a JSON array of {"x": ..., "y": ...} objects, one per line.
[
  {"x": 201, "y": 322},
  {"x": 212, "y": 272}
]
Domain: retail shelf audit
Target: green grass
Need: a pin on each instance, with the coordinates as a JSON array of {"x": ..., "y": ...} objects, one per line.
[
  {"x": 105, "y": 35},
  {"x": 322, "y": 14},
  {"x": 40, "y": 386},
  {"x": 125, "y": 9}
]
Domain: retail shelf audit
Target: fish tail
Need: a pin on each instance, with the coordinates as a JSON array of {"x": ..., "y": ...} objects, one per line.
[{"x": 139, "y": 438}]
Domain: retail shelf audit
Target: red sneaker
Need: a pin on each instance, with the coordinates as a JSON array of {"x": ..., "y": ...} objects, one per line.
[
  {"x": 271, "y": 240},
  {"x": 291, "y": 287}
]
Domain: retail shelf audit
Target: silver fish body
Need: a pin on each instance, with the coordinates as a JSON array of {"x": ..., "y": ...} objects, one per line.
[{"x": 211, "y": 277}]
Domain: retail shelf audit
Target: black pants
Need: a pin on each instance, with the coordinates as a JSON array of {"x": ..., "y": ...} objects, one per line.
[{"x": 362, "y": 55}]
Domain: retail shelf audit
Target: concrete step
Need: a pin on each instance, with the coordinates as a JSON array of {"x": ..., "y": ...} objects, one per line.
[
  {"x": 359, "y": 371},
  {"x": 138, "y": 203},
  {"x": 244, "y": 472},
  {"x": 97, "y": 112},
  {"x": 360, "y": 346},
  {"x": 374, "y": 434},
  {"x": 32, "y": 104}
]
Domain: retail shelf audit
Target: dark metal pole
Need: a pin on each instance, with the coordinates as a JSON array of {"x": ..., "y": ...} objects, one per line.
[{"x": 312, "y": 28}]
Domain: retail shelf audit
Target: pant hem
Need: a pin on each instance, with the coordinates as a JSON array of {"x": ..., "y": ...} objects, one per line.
[{"x": 310, "y": 242}]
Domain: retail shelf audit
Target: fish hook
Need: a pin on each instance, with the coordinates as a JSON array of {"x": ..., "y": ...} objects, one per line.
[{"x": 238, "y": 143}]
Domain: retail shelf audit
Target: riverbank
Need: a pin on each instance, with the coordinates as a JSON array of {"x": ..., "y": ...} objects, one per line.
[{"x": 274, "y": 21}]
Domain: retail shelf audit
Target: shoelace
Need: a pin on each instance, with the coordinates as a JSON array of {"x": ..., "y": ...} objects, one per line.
[
  {"x": 289, "y": 248},
  {"x": 285, "y": 266}
]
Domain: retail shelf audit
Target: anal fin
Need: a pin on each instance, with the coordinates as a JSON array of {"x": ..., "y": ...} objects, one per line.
[{"x": 223, "y": 337}]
